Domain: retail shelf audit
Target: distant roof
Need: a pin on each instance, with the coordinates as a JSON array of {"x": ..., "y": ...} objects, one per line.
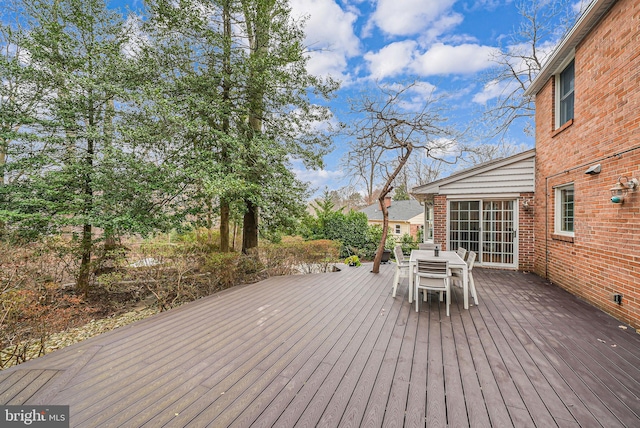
[
  {"x": 589, "y": 18},
  {"x": 398, "y": 211}
]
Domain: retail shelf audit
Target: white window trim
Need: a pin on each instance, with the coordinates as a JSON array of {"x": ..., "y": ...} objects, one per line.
[
  {"x": 556, "y": 100},
  {"x": 557, "y": 229},
  {"x": 398, "y": 229}
]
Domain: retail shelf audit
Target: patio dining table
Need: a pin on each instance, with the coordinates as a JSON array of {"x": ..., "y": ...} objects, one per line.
[{"x": 455, "y": 262}]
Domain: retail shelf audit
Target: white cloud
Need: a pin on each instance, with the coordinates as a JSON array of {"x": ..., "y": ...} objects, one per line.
[
  {"x": 406, "y": 17},
  {"x": 441, "y": 26},
  {"x": 491, "y": 90},
  {"x": 391, "y": 60},
  {"x": 443, "y": 59},
  {"x": 317, "y": 178},
  {"x": 328, "y": 34},
  {"x": 136, "y": 38}
]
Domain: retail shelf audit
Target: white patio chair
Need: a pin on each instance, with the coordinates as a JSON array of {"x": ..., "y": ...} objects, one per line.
[
  {"x": 427, "y": 246},
  {"x": 402, "y": 268},
  {"x": 457, "y": 275},
  {"x": 433, "y": 275},
  {"x": 462, "y": 252}
]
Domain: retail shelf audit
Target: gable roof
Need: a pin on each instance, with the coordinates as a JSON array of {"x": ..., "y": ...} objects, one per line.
[
  {"x": 589, "y": 18},
  {"x": 513, "y": 174},
  {"x": 398, "y": 211}
]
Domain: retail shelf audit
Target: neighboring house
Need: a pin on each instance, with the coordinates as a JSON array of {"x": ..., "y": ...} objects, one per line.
[
  {"x": 587, "y": 100},
  {"x": 405, "y": 217},
  {"x": 487, "y": 209}
]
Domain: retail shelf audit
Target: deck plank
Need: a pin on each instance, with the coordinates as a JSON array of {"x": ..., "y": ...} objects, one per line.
[{"x": 336, "y": 349}]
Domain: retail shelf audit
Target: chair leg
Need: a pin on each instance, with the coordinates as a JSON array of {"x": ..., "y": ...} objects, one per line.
[
  {"x": 396, "y": 279},
  {"x": 448, "y": 298},
  {"x": 472, "y": 287}
]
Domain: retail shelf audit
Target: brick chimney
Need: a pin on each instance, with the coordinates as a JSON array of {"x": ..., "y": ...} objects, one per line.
[{"x": 387, "y": 201}]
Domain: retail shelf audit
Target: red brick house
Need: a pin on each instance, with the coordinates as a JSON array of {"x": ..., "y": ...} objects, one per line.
[
  {"x": 487, "y": 209},
  {"x": 587, "y": 100}
]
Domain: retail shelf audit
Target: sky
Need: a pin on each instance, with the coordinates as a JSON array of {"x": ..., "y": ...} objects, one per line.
[{"x": 447, "y": 45}]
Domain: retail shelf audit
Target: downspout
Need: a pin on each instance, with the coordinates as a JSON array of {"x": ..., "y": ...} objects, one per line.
[{"x": 424, "y": 220}]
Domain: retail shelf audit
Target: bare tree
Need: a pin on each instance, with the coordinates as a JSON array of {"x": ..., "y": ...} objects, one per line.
[
  {"x": 519, "y": 61},
  {"x": 421, "y": 170},
  {"x": 364, "y": 166},
  {"x": 390, "y": 125},
  {"x": 487, "y": 152}
]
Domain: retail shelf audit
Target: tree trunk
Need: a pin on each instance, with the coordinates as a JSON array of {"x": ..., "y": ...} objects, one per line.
[
  {"x": 3, "y": 161},
  {"x": 258, "y": 32},
  {"x": 377, "y": 260},
  {"x": 225, "y": 210},
  {"x": 224, "y": 225},
  {"x": 250, "y": 228},
  {"x": 386, "y": 189},
  {"x": 87, "y": 191}
]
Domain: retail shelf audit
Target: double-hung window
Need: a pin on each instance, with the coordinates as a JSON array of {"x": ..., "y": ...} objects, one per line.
[
  {"x": 398, "y": 230},
  {"x": 564, "y": 210},
  {"x": 565, "y": 82}
]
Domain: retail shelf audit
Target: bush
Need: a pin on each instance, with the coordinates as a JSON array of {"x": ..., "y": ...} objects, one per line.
[
  {"x": 32, "y": 302},
  {"x": 295, "y": 255}
]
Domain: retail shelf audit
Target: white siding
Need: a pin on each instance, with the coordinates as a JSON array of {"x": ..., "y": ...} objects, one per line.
[{"x": 513, "y": 178}]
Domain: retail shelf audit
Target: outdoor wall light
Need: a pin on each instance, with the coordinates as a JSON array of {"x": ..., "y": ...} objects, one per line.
[
  {"x": 620, "y": 190},
  {"x": 594, "y": 170}
]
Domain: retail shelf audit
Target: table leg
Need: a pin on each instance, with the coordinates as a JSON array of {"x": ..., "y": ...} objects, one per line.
[
  {"x": 411, "y": 267},
  {"x": 465, "y": 287}
]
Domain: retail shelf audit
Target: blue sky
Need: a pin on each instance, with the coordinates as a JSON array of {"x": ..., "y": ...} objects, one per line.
[{"x": 445, "y": 44}]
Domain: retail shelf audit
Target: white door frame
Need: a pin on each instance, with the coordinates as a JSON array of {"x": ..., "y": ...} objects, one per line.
[{"x": 481, "y": 201}]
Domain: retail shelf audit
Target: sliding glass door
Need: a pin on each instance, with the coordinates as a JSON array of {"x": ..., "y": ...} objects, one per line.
[
  {"x": 498, "y": 232},
  {"x": 487, "y": 227}
]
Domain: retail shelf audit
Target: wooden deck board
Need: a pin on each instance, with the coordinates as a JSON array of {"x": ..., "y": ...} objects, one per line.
[{"x": 337, "y": 350}]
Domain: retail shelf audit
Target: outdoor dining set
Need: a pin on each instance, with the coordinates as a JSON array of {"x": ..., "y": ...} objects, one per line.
[{"x": 430, "y": 269}]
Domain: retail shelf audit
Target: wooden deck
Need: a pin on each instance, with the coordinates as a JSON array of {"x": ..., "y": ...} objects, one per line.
[{"x": 337, "y": 350}]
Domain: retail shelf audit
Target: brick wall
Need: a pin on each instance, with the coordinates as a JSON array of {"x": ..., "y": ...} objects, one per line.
[
  {"x": 414, "y": 230},
  {"x": 440, "y": 220},
  {"x": 526, "y": 234},
  {"x": 603, "y": 258}
]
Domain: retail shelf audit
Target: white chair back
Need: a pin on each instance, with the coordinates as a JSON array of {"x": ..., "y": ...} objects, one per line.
[
  {"x": 471, "y": 259},
  {"x": 432, "y": 268},
  {"x": 397, "y": 251},
  {"x": 433, "y": 275},
  {"x": 427, "y": 246},
  {"x": 462, "y": 252}
]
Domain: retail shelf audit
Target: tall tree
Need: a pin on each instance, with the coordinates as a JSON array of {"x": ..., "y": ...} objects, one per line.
[
  {"x": 20, "y": 95},
  {"x": 241, "y": 89},
  {"x": 520, "y": 59},
  {"x": 277, "y": 95},
  {"x": 72, "y": 167},
  {"x": 76, "y": 48},
  {"x": 385, "y": 124},
  {"x": 364, "y": 166}
]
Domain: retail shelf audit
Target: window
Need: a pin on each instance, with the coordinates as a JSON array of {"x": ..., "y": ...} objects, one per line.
[
  {"x": 564, "y": 94},
  {"x": 397, "y": 229},
  {"x": 564, "y": 210}
]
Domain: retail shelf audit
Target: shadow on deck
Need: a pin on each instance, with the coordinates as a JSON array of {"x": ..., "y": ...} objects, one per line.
[{"x": 337, "y": 350}]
